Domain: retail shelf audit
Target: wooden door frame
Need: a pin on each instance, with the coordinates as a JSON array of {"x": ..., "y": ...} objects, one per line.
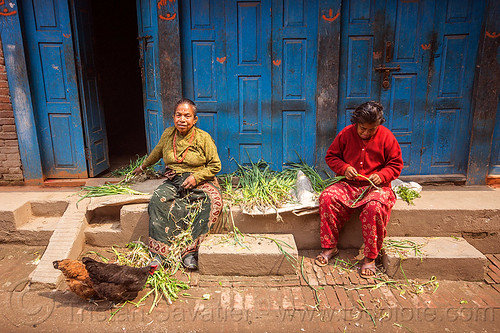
[
  {"x": 20, "y": 92},
  {"x": 169, "y": 45},
  {"x": 485, "y": 96}
]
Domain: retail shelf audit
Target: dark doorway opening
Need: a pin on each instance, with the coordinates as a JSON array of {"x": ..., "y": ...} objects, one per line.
[{"x": 117, "y": 62}]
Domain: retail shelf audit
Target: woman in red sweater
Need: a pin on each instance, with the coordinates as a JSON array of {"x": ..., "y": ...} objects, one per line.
[{"x": 369, "y": 149}]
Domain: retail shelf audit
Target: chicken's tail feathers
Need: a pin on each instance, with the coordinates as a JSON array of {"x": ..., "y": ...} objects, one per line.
[{"x": 86, "y": 260}]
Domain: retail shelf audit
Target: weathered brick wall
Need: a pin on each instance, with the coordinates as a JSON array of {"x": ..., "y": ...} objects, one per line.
[{"x": 10, "y": 160}]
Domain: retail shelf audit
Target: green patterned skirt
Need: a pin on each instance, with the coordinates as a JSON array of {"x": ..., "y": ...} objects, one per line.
[{"x": 173, "y": 209}]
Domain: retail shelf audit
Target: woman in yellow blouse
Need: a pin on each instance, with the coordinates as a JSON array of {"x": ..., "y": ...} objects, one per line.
[{"x": 191, "y": 192}]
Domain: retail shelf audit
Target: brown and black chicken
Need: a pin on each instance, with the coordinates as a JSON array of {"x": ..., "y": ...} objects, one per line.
[
  {"x": 112, "y": 282},
  {"x": 77, "y": 278}
]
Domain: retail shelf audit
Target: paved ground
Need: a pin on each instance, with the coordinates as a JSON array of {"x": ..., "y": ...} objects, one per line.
[
  {"x": 255, "y": 304},
  {"x": 347, "y": 303}
]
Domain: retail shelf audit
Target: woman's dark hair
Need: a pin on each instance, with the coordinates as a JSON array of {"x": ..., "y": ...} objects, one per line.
[
  {"x": 368, "y": 113},
  {"x": 186, "y": 101}
]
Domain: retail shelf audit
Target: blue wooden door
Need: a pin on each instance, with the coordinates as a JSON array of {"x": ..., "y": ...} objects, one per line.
[
  {"x": 247, "y": 118},
  {"x": 251, "y": 68},
  {"x": 445, "y": 148},
  {"x": 93, "y": 115},
  {"x": 203, "y": 63},
  {"x": 417, "y": 58},
  {"x": 53, "y": 80},
  {"x": 150, "y": 70},
  {"x": 294, "y": 65}
]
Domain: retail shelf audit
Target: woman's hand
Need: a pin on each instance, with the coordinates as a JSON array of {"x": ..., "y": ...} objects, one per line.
[
  {"x": 138, "y": 170},
  {"x": 375, "y": 179},
  {"x": 350, "y": 173},
  {"x": 169, "y": 173},
  {"x": 189, "y": 183}
]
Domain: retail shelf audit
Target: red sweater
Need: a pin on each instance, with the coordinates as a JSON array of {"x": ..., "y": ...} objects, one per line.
[{"x": 380, "y": 154}]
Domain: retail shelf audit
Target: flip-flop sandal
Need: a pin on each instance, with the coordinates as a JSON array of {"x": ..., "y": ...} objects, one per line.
[
  {"x": 325, "y": 258},
  {"x": 371, "y": 267},
  {"x": 190, "y": 260}
]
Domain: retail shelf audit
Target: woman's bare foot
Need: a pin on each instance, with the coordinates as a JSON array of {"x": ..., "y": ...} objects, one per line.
[
  {"x": 368, "y": 268},
  {"x": 324, "y": 257}
]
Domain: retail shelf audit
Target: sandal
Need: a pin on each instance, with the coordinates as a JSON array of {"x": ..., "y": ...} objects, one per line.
[
  {"x": 322, "y": 259},
  {"x": 190, "y": 260},
  {"x": 371, "y": 267}
]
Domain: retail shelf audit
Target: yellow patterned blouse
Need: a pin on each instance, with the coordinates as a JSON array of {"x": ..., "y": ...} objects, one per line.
[{"x": 201, "y": 159}]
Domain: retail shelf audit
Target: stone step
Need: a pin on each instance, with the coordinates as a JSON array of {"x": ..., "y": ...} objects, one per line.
[
  {"x": 66, "y": 242},
  {"x": 255, "y": 255},
  {"x": 30, "y": 221},
  {"x": 447, "y": 258},
  {"x": 118, "y": 225},
  {"x": 472, "y": 213}
]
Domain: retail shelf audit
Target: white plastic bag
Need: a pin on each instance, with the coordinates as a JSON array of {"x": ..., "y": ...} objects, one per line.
[{"x": 411, "y": 185}]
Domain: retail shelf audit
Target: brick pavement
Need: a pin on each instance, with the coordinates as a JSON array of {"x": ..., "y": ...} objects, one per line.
[
  {"x": 274, "y": 304},
  {"x": 346, "y": 302},
  {"x": 353, "y": 300}
]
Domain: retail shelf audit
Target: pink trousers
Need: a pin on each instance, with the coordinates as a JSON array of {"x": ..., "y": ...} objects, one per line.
[{"x": 336, "y": 204}]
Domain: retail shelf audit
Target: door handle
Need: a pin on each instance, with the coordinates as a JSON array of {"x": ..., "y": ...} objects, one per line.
[
  {"x": 388, "y": 51},
  {"x": 387, "y": 70}
]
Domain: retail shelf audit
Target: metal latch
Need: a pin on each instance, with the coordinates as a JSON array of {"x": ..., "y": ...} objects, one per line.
[{"x": 387, "y": 70}]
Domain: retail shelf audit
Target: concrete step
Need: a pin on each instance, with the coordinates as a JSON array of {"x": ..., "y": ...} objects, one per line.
[
  {"x": 447, "y": 258},
  {"x": 30, "y": 221},
  {"x": 117, "y": 224},
  {"x": 255, "y": 255},
  {"x": 66, "y": 242},
  {"x": 472, "y": 213}
]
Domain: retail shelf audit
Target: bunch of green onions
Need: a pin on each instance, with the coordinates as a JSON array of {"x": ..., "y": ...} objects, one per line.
[
  {"x": 119, "y": 188},
  {"x": 407, "y": 194},
  {"x": 318, "y": 183},
  {"x": 260, "y": 187},
  {"x": 127, "y": 170},
  {"x": 106, "y": 189}
]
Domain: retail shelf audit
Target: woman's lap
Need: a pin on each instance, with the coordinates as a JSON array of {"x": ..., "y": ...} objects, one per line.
[
  {"x": 172, "y": 210},
  {"x": 336, "y": 206}
]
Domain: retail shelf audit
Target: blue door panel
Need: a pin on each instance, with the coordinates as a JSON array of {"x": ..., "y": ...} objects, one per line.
[
  {"x": 248, "y": 35},
  {"x": 294, "y": 68},
  {"x": 93, "y": 115},
  {"x": 150, "y": 70},
  {"x": 53, "y": 71},
  {"x": 294, "y": 64},
  {"x": 430, "y": 47},
  {"x": 203, "y": 61},
  {"x": 155, "y": 126},
  {"x": 445, "y": 129},
  {"x": 293, "y": 135},
  {"x": 359, "y": 75},
  {"x": 204, "y": 77},
  {"x": 458, "y": 26},
  {"x": 61, "y": 137},
  {"x": 53, "y": 79}
]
